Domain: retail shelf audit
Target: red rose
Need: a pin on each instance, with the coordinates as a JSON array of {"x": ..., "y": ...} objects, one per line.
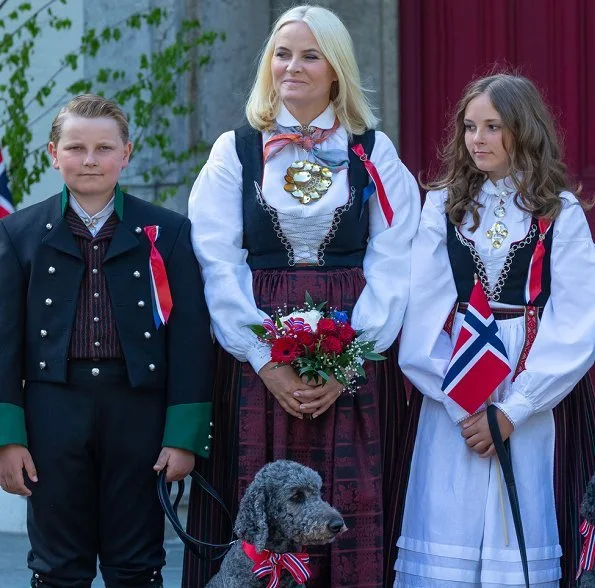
[
  {"x": 285, "y": 350},
  {"x": 307, "y": 339},
  {"x": 326, "y": 326},
  {"x": 346, "y": 333},
  {"x": 331, "y": 344}
]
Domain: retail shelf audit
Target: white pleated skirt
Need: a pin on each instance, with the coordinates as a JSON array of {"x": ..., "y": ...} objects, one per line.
[{"x": 457, "y": 528}]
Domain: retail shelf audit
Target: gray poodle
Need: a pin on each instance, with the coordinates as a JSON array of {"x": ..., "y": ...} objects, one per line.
[
  {"x": 281, "y": 511},
  {"x": 588, "y": 511}
]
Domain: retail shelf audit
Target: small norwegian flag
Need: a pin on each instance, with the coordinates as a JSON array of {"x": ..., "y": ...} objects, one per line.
[
  {"x": 6, "y": 207},
  {"x": 479, "y": 363}
]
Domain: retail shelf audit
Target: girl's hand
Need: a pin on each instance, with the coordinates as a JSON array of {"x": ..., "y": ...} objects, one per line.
[
  {"x": 319, "y": 399},
  {"x": 282, "y": 382},
  {"x": 476, "y": 431}
]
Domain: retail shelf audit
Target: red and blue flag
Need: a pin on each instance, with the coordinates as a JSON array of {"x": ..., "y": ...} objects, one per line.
[
  {"x": 479, "y": 363},
  {"x": 5, "y": 196}
]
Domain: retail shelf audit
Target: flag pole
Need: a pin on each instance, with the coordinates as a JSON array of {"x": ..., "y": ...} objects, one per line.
[{"x": 501, "y": 494}]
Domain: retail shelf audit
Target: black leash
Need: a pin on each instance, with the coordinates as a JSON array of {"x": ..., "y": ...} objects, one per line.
[
  {"x": 503, "y": 451},
  {"x": 171, "y": 512}
]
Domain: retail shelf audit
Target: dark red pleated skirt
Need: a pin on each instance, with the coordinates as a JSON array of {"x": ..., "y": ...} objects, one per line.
[
  {"x": 360, "y": 446},
  {"x": 573, "y": 467}
]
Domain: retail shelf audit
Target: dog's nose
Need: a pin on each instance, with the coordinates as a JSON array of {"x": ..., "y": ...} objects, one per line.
[{"x": 335, "y": 525}]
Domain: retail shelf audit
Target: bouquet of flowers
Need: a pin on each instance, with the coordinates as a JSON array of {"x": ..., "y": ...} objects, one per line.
[{"x": 318, "y": 343}]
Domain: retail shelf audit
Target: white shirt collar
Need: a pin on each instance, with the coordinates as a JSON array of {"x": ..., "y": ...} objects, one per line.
[
  {"x": 325, "y": 120},
  {"x": 92, "y": 222},
  {"x": 503, "y": 187}
]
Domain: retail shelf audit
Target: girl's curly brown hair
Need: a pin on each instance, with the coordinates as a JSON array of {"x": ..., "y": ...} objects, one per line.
[{"x": 536, "y": 167}]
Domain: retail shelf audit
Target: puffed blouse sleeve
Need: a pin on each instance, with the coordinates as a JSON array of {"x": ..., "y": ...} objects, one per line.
[
  {"x": 215, "y": 210},
  {"x": 564, "y": 349},
  {"x": 425, "y": 348},
  {"x": 380, "y": 308}
]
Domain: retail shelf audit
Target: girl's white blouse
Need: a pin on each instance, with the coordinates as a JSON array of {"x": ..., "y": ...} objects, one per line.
[
  {"x": 215, "y": 209},
  {"x": 565, "y": 345}
]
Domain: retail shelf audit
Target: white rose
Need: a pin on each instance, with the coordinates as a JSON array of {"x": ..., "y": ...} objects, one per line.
[{"x": 310, "y": 317}]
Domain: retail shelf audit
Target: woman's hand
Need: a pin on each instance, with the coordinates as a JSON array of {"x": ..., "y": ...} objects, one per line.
[
  {"x": 319, "y": 399},
  {"x": 282, "y": 382},
  {"x": 476, "y": 431}
]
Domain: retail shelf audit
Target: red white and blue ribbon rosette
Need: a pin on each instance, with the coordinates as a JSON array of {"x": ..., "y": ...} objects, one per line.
[{"x": 160, "y": 291}]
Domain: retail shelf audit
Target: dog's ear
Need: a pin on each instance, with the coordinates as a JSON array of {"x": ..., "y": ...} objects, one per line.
[{"x": 251, "y": 522}]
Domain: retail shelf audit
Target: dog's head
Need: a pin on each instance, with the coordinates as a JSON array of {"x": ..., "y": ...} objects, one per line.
[{"x": 282, "y": 509}]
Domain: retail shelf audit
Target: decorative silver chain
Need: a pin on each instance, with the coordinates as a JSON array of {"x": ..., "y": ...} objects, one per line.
[
  {"x": 276, "y": 224},
  {"x": 339, "y": 212},
  {"x": 494, "y": 293},
  {"x": 274, "y": 214}
]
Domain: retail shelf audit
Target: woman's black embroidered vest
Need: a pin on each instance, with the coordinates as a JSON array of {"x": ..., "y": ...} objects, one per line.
[
  {"x": 265, "y": 248},
  {"x": 513, "y": 291}
]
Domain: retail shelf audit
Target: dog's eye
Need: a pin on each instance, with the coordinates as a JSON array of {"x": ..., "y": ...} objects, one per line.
[{"x": 298, "y": 496}]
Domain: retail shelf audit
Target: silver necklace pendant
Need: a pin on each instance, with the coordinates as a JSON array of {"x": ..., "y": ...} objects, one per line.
[{"x": 498, "y": 231}]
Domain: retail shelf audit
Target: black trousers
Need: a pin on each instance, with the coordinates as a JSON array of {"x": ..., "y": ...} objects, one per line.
[{"x": 94, "y": 442}]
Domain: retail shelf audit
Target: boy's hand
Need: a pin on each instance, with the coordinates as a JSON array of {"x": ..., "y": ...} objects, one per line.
[
  {"x": 179, "y": 463},
  {"x": 13, "y": 459}
]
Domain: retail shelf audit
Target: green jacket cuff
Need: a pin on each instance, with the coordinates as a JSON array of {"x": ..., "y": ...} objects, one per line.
[
  {"x": 12, "y": 425},
  {"x": 188, "y": 426}
]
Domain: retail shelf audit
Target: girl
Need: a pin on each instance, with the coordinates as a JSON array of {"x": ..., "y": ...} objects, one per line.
[
  {"x": 261, "y": 248},
  {"x": 504, "y": 190}
]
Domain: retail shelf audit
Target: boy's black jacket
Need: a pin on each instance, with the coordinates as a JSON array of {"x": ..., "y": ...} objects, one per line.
[{"x": 37, "y": 238}]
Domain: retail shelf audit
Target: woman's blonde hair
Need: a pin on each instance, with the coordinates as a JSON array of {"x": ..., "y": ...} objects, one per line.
[
  {"x": 530, "y": 138},
  {"x": 347, "y": 95}
]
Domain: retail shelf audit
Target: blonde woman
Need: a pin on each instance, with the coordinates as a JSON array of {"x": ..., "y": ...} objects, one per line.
[{"x": 262, "y": 248}]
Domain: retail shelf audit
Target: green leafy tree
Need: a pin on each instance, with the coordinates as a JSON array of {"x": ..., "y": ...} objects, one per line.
[{"x": 150, "y": 94}]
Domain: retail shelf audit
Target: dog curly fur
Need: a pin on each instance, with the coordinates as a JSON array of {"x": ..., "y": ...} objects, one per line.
[
  {"x": 281, "y": 511},
  {"x": 588, "y": 511}
]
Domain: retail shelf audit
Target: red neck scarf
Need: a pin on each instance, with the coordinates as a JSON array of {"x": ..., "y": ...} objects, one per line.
[{"x": 306, "y": 142}]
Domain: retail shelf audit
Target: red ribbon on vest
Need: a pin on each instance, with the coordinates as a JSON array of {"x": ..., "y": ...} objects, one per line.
[
  {"x": 160, "y": 292},
  {"x": 385, "y": 207},
  {"x": 533, "y": 288},
  {"x": 269, "y": 563}
]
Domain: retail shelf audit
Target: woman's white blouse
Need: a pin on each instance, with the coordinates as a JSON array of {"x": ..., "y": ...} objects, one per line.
[
  {"x": 565, "y": 345},
  {"x": 215, "y": 209}
]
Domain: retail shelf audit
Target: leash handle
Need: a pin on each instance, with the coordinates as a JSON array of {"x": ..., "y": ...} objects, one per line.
[
  {"x": 171, "y": 512},
  {"x": 503, "y": 451}
]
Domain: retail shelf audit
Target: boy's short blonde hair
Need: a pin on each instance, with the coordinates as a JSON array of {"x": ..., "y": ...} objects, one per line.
[{"x": 90, "y": 106}]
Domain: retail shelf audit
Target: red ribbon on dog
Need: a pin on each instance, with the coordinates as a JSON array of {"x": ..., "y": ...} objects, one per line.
[
  {"x": 269, "y": 563},
  {"x": 587, "y": 561}
]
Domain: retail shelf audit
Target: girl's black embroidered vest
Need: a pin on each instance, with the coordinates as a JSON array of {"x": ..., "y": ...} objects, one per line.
[
  {"x": 513, "y": 290},
  {"x": 261, "y": 239}
]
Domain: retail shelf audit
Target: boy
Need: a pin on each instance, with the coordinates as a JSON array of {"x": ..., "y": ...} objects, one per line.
[{"x": 102, "y": 315}]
